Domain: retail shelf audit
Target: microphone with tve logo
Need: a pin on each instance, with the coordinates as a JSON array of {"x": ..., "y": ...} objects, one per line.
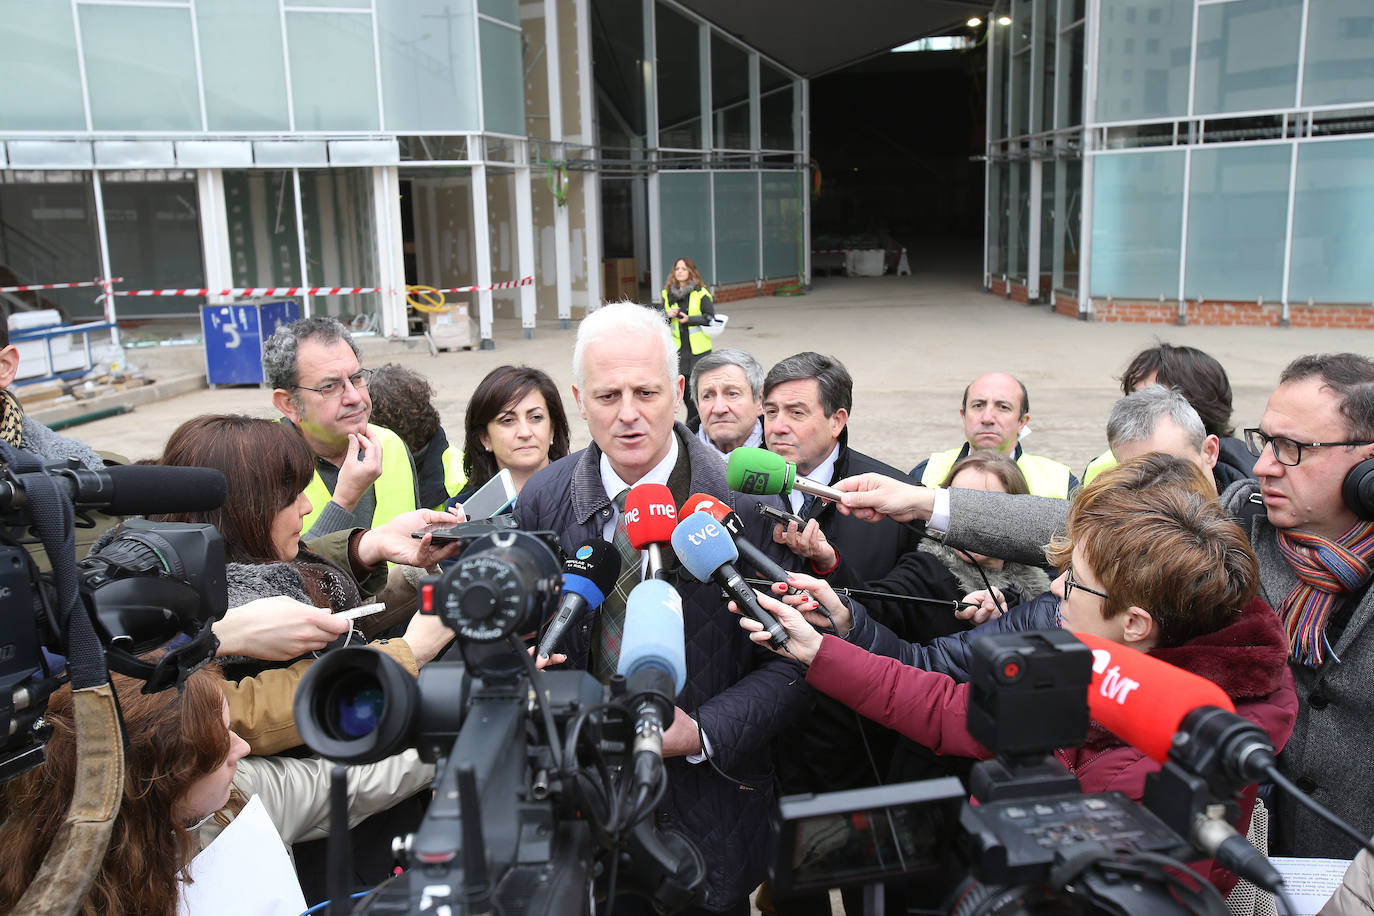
[
  {"x": 650, "y": 517},
  {"x": 709, "y": 554},
  {"x": 763, "y": 564}
]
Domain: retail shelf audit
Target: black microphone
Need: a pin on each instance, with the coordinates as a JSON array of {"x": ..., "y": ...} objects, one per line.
[
  {"x": 134, "y": 489},
  {"x": 587, "y": 576}
]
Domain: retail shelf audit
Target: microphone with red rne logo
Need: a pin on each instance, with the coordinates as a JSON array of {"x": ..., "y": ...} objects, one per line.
[{"x": 650, "y": 517}]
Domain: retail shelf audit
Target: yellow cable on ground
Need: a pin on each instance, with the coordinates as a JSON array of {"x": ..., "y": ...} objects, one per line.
[{"x": 426, "y": 299}]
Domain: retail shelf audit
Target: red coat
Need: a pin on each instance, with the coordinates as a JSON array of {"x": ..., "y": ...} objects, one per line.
[{"x": 1247, "y": 658}]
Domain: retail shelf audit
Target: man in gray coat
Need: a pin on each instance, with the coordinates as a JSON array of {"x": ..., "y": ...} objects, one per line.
[{"x": 1314, "y": 538}]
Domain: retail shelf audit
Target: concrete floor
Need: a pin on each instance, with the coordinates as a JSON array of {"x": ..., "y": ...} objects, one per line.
[{"x": 911, "y": 343}]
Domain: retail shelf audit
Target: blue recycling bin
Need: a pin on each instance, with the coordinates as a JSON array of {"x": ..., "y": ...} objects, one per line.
[{"x": 234, "y": 335}]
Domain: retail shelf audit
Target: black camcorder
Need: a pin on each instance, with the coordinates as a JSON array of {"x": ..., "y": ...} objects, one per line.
[
  {"x": 154, "y": 583},
  {"x": 531, "y": 766}
]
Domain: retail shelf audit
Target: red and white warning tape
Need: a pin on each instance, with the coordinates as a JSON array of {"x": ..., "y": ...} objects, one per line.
[
  {"x": 307, "y": 290},
  {"x": 36, "y": 286}
]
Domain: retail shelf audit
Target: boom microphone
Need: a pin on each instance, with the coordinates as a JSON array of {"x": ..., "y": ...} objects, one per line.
[
  {"x": 1142, "y": 700},
  {"x": 134, "y": 489},
  {"x": 587, "y": 576},
  {"x": 650, "y": 516},
  {"x": 763, "y": 564},
  {"x": 709, "y": 554},
  {"x": 759, "y": 472},
  {"x": 653, "y": 660}
]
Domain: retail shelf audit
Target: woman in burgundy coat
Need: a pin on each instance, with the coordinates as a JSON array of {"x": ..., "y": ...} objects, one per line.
[{"x": 1160, "y": 570}]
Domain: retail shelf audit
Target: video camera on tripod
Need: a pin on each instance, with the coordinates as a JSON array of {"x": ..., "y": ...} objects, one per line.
[{"x": 546, "y": 781}]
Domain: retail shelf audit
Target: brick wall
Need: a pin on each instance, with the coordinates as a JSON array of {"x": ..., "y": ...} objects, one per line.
[
  {"x": 732, "y": 293},
  {"x": 1235, "y": 314},
  {"x": 1066, "y": 305}
]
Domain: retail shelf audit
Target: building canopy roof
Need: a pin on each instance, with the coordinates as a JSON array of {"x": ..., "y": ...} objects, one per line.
[{"x": 812, "y": 37}]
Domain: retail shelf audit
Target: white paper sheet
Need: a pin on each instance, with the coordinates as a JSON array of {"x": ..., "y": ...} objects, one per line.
[
  {"x": 244, "y": 872},
  {"x": 1311, "y": 882}
]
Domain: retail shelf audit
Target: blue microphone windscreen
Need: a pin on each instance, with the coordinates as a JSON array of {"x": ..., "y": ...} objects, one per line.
[
  {"x": 581, "y": 585},
  {"x": 703, "y": 545},
  {"x": 653, "y": 632}
]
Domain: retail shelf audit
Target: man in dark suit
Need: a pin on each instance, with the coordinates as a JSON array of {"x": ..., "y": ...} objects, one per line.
[{"x": 738, "y": 698}]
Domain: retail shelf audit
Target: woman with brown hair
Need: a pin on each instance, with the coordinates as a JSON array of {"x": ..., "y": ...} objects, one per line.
[
  {"x": 186, "y": 776},
  {"x": 690, "y": 308},
  {"x": 515, "y": 420}
]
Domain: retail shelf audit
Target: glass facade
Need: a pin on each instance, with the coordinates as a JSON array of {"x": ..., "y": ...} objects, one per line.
[{"x": 1226, "y": 155}]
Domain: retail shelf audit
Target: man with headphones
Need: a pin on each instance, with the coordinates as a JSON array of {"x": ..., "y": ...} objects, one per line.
[{"x": 1315, "y": 542}]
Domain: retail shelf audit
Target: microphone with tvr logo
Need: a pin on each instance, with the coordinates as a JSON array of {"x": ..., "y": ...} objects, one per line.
[
  {"x": 650, "y": 517},
  {"x": 709, "y": 554},
  {"x": 759, "y": 472},
  {"x": 588, "y": 575}
]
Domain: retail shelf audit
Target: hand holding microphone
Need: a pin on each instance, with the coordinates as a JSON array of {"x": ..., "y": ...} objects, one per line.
[
  {"x": 801, "y": 616},
  {"x": 763, "y": 564},
  {"x": 759, "y": 472}
]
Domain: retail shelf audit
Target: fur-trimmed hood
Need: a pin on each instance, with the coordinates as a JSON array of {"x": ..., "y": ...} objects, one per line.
[{"x": 1028, "y": 581}]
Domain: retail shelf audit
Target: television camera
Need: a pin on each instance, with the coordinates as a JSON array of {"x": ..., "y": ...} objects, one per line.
[{"x": 544, "y": 801}]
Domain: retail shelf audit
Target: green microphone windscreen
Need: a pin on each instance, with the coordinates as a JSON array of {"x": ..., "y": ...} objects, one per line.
[{"x": 759, "y": 472}]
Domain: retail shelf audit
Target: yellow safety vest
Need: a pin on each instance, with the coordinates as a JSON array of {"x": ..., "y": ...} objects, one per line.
[
  {"x": 697, "y": 338},
  {"x": 1044, "y": 476},
  {"x": 454, "y": 478},
  {"x": 1099, "y": 464},
  {"x": 394, "y": 489}
]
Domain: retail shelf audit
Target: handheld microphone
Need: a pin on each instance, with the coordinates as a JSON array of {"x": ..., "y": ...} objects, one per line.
[
  {"x": 587, "y": 576},
  {"x": 763, "y": 564},
  {"x": 653, "y": 660},
  {"x": 1142, "y": 700},
  {"x": 650, "y": 516},
  {"x": 134, "y": 489},
  {"x": 709, "y": 554},
  {"x": 759, "y": 472},
  {"x": 1182, "y": 719}
]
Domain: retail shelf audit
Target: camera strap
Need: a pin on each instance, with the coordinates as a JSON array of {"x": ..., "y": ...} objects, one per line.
[{"x": 52, "y": 519}]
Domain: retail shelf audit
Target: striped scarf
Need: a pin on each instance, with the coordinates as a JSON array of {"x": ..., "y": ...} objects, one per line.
[{"x": 1326, "y": 570}]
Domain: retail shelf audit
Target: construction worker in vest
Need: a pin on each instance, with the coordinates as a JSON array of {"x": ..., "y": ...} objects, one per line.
[
  {"x": 403, "y": 402},
  {"x": 996, "y": 409},
  {"x": 364, "y": 476},
  {"x": 689, "y": 306}
]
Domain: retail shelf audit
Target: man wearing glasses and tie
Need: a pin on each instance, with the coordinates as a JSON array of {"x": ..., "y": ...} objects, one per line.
[{"x": 364, "y": 476}]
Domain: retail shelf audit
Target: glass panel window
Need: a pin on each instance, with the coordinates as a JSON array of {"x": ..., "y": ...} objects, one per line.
[
  {"x": 503, "y": 83},
  {"x": 1070, "y": 111},
  {"x": 1333, "y": 221},
  {"x": 1048, "y": 36},
  {"x": 340, "y": 238},
  {"x": 777, "y": 104},
  {"x": 239, "y": 96},
  {"x": 39, "y": 69},
  {"x": 678, "y": 44},
  {"x": 264, "y": 248},
  {"x": 685, "y": 205},
  {"x": 154, "y": 232},
  {"x": 617, "y": 71},
  {"x": 997, "y": 223},
  {"x": 140, "y": 68},
  {"x": 1247, "y": 55},
  {"x": 505, "y": 10},
  {"x": 333, "y": 72},
  {"x": 1339, "y": 66},
  {"x": 1020, "y": 93},
  {"x": 1068, "y": 222},
  {"x": 48, "y": 235},
  {"x": 1137, "y": 222},
  {"x": 1237, "y": 208},
  {"x": 1142, "y": 69},
  {"x": 737, "y": 226},
  {"x": 782, "y": 215},
  {"x": 429, "y": 75},
  {"x": 1048, "y": 225},
  {"x": 729, "y": 94}
]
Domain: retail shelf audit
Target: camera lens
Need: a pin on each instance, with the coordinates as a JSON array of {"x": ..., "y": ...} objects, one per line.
[{"x": 358, "y": 705}]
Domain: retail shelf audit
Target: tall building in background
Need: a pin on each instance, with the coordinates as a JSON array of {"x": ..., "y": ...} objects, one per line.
[
  {"x": 1183, "y": 160},
  {"x": 375, "y": 143}
]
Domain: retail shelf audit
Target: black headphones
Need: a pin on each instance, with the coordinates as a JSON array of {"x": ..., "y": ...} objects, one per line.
[{"x": 1358, "y": 489}]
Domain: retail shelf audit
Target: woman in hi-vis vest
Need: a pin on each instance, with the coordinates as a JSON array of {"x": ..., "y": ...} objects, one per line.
[{"x": 688, "y": 304}]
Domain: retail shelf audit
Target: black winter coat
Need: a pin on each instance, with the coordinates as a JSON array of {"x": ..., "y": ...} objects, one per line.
[{"x": 741, "y": 695}]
